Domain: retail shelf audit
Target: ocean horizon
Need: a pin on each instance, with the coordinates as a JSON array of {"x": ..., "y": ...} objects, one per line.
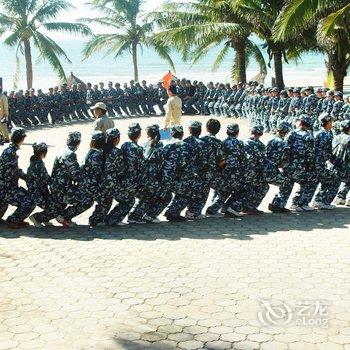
[{"x": 310, "y": 70}]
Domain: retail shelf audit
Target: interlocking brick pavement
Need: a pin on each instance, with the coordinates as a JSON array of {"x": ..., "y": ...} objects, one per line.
[{"x": 195, "y": 285}]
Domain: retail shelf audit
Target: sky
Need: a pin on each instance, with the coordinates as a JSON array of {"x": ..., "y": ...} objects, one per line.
[{"x": 82, "y": 10}]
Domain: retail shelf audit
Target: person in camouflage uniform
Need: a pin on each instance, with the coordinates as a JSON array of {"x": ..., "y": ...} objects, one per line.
[
  {"x": 65, "y": 176},
  {"x": 327, "y": 175},
  {"x": 341, "y": 161},
  {"x": 228, "y": 193},
  {"x": 114, "y": 185},
  {"x": 198, "y": 165},
  {"x": 10, "y": 192},
  {"x": 277, "y": 154},
  {"x": 152, "y": 195},
  {"x": 38, "y": 182},
  {"x": 336, "y": 112},
  {"x": 255, "y": 183},
  {"x": 88, "y": 187}
]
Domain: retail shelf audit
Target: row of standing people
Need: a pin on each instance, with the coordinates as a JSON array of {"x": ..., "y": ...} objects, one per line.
[{"x": 144, "y": 181}]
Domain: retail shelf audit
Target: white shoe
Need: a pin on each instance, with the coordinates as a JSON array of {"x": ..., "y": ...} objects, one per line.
[
  {"x": 339, "y": 201},
  {"x": 35, "y": 222},
  {"x": 234, "y": 212},
  {"x": 296, "y": 208},
  {"x": 308, "y": 208},
  {"x": 347, "y": 203},
  {"x": 151, "y": 220},
  {"x": 122, "y": 223},
  {"x": 317, "y": 205}
]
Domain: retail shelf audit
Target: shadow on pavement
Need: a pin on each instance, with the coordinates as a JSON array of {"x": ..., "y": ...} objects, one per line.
[{"x": 211, "y": 228}]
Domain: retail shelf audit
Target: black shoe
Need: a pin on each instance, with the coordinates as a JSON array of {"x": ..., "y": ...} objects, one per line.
[
  {"x": 275, "y": 209},
  {"x": 177, "y": 218}
]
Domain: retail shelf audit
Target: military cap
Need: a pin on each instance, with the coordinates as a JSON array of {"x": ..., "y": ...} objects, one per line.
[
  {"x": 74, "y": 136},
  {"x": 257, "y": 128},
  {"x": 345, "y": 124},
  {"x": 112, "y": 133},
  {"x": 320, "y": 90},
  {"x": 98, "y": 136},
  {"x": 39, "y": 147},
  {"x": 233, "y": 128},
  {"x": 283, "y": 127},
  {"x": 284, "y": 93},
  {"x": 153, "y": 128},
  {"x": 195, "y": 124},
  {"x": 309, "y": 88},
  {"x": 18, "y": 132},
  {"x": 275, "y": 89},
  {"x": 306, "y": 119},
  {"x": 330, "y": 93},
  {"x": 176, "y": 128},
  {"x": 324, "y": 118},
  {"x": 134, "y": 128},
  {"x": 303, "y": 90},
  {"x": 338, "y": 93},
  {"x": 296, "y": 90}
]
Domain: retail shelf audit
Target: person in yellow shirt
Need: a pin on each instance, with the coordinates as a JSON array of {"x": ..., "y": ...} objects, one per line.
[
  {"x": 173, "y": 108},
  {"x": 4, "y": 114}
]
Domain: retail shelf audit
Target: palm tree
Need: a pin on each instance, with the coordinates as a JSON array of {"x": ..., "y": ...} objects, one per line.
[
  {"x": 196, "y": 27},
  {"x": 332, "y": 18},
  {"x": 25, "y": 20},
  {"x": 130, "y": 30}
]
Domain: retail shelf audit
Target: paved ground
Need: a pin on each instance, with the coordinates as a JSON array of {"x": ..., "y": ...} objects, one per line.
[{"x": 213, "y": 284}]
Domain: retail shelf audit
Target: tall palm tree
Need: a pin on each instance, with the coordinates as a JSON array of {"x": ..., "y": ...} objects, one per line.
[
  {"x": 196, "y": 27},
  {"x": 25, "y": 19},
  {"x": 332, "y": 18},
  {"x": 130, "y": 30}
]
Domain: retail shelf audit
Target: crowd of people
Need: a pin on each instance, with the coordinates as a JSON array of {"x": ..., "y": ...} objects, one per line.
[
  {"x": 267, "y": 106},
  {"x": 144, "y": 181}
]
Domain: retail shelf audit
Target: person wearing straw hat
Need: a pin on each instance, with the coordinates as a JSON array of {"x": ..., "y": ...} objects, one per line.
[{"x": 102, "y": 122}]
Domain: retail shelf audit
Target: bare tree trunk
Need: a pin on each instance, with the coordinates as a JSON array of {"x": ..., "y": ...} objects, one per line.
[
  {"x": 134, "y": 61},
  {"x": 278, "y": 67},
  {"x": 29, "y": 64}
]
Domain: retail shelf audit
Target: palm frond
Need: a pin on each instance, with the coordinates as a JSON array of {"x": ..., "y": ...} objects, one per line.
[{"x": 71, "y": 28}]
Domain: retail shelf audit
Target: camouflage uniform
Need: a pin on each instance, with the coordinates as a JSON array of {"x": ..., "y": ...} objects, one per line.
[
  {"x": 327, "y": 175},
  {"x": 10, "y": 192},
  {"x": 89, "y": 182}
]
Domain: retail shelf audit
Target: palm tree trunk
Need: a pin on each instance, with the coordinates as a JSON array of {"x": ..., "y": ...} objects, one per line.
[
  {"x": 278, "y": 67},
  {"x": 338, "y": 66},
  {"x": 240, "y": 48},
  {"x": 29, "y": 64},
  {"x": 134, "y": 61}
]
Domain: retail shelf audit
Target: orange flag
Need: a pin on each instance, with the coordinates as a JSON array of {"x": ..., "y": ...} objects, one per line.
[{"x": 167, "y": 80}]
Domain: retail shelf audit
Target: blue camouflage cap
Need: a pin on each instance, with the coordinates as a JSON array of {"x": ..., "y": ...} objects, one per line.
[
  {"x": 134, "y": 128},
  {"x": 345, "y": 124},
  {"x": 338, "y": 93},
  {"x": 74, "y": 136},
  {"x": 18, "y": 132},
  {"x": 306, "y": 119},
  {"x": 233, "y": 128},
  {"x": 112, "y": 133},
  {"x": 257, "y": 128},
  {"x": 176, "y": 128},
  {"x": 154, "y": 128},
  {"x": 283, "y": 127},
  {"x": 324, "y": 118},
  {"x": 39, "y": 147},
  {"x": 195, "y": 124},
  {"x": 98, "y": 136}
]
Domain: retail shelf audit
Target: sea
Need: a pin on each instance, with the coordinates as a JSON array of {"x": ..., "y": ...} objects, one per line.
[{"x": 309, "y": 70}]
